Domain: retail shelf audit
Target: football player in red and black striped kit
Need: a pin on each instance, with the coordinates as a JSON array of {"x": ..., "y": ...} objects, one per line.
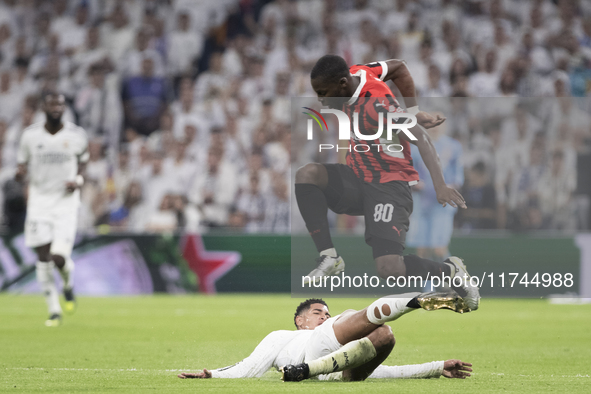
[{"x": 375, "y": 182}]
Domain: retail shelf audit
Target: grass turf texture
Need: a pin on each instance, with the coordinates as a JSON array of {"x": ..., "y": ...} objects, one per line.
[{"x": 138, "y": 344}]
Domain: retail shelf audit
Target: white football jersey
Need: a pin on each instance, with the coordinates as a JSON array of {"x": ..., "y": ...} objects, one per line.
[{"x": 52, "y": 162}]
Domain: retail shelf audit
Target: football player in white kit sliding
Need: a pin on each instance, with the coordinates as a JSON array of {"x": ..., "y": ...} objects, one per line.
[
  {"x": 349, "y": 347},
  {"x": 53, "y": 155}
]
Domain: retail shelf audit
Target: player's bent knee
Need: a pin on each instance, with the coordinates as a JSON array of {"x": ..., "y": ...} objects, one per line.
[
  {"x": 310, "y": 173},
  {"x": 382, "y": 339},
  {"x": 387, "y": 336},
  {"x": 59, "y": 260},
  {"x": 61, "y": 248},
  {"x": 390, "y": 265}
]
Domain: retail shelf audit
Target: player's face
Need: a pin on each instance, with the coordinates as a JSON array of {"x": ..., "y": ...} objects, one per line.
[
  {"x": 54, "y": 107},
  {"x": 333, "y": 95},
  {"x": 313, "y": 317}
]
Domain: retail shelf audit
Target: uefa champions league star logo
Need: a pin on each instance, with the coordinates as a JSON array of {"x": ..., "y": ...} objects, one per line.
[{"x": 399, "y": 121}]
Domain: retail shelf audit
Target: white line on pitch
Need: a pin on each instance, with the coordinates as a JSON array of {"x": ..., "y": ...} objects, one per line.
[
  {"x": 101, "y": 369},
  {"x": 190, "y": 369}
]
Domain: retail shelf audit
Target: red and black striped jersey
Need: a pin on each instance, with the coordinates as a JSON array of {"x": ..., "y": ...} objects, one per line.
[{"x": 372, "y": 163}]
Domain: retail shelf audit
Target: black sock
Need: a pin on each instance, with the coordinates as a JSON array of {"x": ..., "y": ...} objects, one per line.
[
  {"x": 313, "y": 207},
  {"x": 417, "y": 266},
  {"x": 414, "y": 303}
]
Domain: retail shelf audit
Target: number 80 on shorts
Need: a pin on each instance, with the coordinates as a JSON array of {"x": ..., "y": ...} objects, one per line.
[{"x": 383, "y": 213}]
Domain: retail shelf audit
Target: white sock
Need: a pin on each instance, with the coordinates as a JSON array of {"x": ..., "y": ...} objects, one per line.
[
  {"x": 67, "y": 273},
  {"x": 332, "y": 252},
  {"x": 389, "y": 308},
  {"x": 352, "y": 355},
  {"x": 47, "y": 283}
]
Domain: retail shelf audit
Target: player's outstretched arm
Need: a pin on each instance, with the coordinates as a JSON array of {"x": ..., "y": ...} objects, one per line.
[
  {"x": 456, "y": 369},
  {"x": 428, "y": 120},
  {"x": 205, "y": 374},
  {"x": 399, "y": 73},
  {"x": 445, "y": 194},
  {"x": 450, "y": 369},
  {"x": 253, "y": 366}
]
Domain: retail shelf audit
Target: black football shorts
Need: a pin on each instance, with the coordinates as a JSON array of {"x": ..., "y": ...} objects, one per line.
[{"x": 385, "y": 206}]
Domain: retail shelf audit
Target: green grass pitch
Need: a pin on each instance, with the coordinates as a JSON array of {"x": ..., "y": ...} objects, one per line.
[{"x": 138, "y": 344}]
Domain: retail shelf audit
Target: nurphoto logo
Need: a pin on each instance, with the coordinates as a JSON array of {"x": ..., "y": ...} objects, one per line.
[{"x": 399, "y": 121}]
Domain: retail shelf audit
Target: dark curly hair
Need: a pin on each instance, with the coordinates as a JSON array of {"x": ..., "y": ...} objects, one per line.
[
  {"x": 305, "y": 306},
  {"x": 330, "y": 68}
]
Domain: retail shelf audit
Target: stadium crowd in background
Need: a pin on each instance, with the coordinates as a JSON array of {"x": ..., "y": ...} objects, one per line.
[{"x": 187, "y": 103}]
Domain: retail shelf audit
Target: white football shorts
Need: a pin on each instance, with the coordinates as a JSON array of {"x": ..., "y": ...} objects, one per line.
[
  {"x": 58, "y": 229},
  {"x": 322, "y": 342}
]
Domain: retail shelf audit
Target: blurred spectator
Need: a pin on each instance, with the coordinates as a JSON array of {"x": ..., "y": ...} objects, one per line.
[
  {"x": 21, "y": 81},
  {"x": 479, "y": 194},
  {"x": 164, "y": 219},
  {"x": 256, "y": 165},
  {"x": 125, "y": 217},
  {"x": 180, "y": 169},
  {"x": 144, "y": 99},
  {"x": 235, "y": 65},
  {"x": 255, "y": 84},
  {"x": 98, "y": 106},
  {"x": 436, "y": 87},
  {"x": 485, "y": 82},
  {"x": 236, "y": 219},
  {"x": 185, "y": 46},
  {"x": 132, "y": 63},
  {"x": 277, "y": 153},
  {"x": 122, "y": 176},
  {"x": 72, "y": 32},
  {"x": 583, "y": 191},
  {"x": 555, "y": 191},
  {"x": 13, "y": 135},
  {"x": 277, "y": 208},
  {"x": 214, "y": 191},
  {"x": 252, "y": 203},
  {"x": 42, "y": 32},
  {"x": 523, "y": 197},
  {"x": 10, "y": 100},
  {"x": 185, "y": 111},
  {"x": 13, "y": 193},
  {"x": 431, "y": 225},
  {"x": 117, "y": 34},
  {"x": 212, "y": 81},
  {"x": 155, "y": 182},
  {"x": 196, "y": 147},
  {"x": 90, "y": 54}
]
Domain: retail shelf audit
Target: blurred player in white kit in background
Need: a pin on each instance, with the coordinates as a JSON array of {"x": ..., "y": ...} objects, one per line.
[{"x": 53, "y": 154}]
